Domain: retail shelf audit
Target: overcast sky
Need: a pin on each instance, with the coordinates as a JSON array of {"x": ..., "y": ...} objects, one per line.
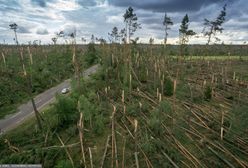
[{"x": 41, "y": 19}]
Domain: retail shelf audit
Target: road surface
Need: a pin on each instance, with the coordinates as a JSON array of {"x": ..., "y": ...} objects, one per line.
[{"x": 42, "y": 100}]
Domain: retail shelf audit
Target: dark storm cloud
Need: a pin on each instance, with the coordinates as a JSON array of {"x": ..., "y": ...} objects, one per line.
[
  {"x": 41, "y": 3},
  {"x": 42, "y": 31},
  {"x": 152, "y": 20},
  {"x": 42, "y": 17},
  {"x": 165, "y": 5},
  {"x": 86, "y": 3},
  {"x": 10, "y": 5}
]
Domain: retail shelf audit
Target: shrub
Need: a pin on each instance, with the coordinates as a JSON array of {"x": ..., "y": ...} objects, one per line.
[
  {"x": 239, "y": 121},
  {"x": 165, "y": 107},
  {"x": 63, "y": 164},
  {"x": 91, "y": 55},
  {"x": 65, "y": 109},
  {"x": 155, "y": 122},
  {"x": 208, "y": 93},
  {"x": 87, "y": 108},
  {"x": 168, "y": 87},
  {"x": 99, "y": 124}
]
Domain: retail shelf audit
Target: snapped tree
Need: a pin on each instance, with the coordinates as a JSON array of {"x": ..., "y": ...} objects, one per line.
[{"x": 214, "y": 26}]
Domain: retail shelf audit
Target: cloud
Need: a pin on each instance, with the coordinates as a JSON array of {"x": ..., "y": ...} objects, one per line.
[
  {"x": 22, "y": 30},
  {"x": 87, "y": 3},
  {"x": 165, "y": 5},
  {"x": 116, "y": 19},
  {"x": 98, "y": 17},
  {"x": 10, "y": 5},
  {"x": 41, "y": 31},
  {"x": 41, "y": 3}
]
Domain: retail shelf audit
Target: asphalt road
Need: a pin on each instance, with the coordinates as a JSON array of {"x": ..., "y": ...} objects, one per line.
[{"x": 42, "y": 100}]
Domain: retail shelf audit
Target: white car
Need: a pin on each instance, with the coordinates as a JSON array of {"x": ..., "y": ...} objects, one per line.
[{"x": 65, "y": 90}]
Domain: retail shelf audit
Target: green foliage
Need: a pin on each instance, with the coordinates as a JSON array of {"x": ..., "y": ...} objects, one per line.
[
  {"x": 167, "y": 23},
  {"x": 155, "y": 122},
  {"x": 87, "y": 108},
  {"x": 183, "y": 91},
  {"x": 65, "y": 110},
  {"x": 147, "y": 144},
  {"x": 212, "y": 27},
  {"x": 130, "y": 18},
  {"x": 184, "y": 35},
  {"x": 208, "y": 93},
  {"x": 239, "y": 120},
  {"x": 91, "y": 113},
  {"x": 184, "y": 28},
  {"x": 114, "y": 35},
  {"x": 63, "y": 164},
  {"x": 165, "y": 107},
  {"x": 99, "y": 124},
  {"x": 133, "y": 109},
  {"x": 142, "y": 74},
  {"x": 43, "y": 73},
  {"x": 13, "y": 158},
  {"x": 91, "y": 56},
  {"x": 168, "y": 87}
]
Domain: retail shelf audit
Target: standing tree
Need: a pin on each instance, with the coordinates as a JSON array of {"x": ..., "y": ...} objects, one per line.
[
  {"x": 75, "y": 59},
  {"x": 184, "y": 34},
  {"x": 101, "y": 41},
  {"x": 151, "y": 41},
  {"x": 92, "y": 39},
  {"x": 167, "y": 23},
  {"x": 130, "y": 18},
  {"x": 54, "y": 39},
  {"x": 123, "y": 35},
  {"x": 14, "y": 27},
  {"x": 212, "y": 27},
  {"x": 83, "y": 40},
  {"x": 60, "y": 34},
  {"x": 114, "y": 35},
  {"x": 73, "y": 37}
]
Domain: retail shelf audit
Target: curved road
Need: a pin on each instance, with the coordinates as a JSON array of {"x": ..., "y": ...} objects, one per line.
[{"x": 42, "y": 100}]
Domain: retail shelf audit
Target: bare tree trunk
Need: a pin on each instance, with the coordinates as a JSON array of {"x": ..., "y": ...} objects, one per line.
[
  {"x": 210, "y": 35},
  {"x": 37, "y": 115},
  {"x": 105, "y": 152},
  {"x": 4, "y": 61},
  {"x": 165, "y": 37},
  {"x": 29, "y": 81},
  {"x": 16, "y": 38}
]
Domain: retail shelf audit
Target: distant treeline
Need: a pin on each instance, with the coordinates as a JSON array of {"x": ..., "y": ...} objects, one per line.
[
  {"x": 172, "y": 50},
  {"x": 202, "y": 50}
]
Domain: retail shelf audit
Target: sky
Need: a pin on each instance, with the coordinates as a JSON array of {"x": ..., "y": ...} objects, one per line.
[{"x": 42, "y": 19}]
